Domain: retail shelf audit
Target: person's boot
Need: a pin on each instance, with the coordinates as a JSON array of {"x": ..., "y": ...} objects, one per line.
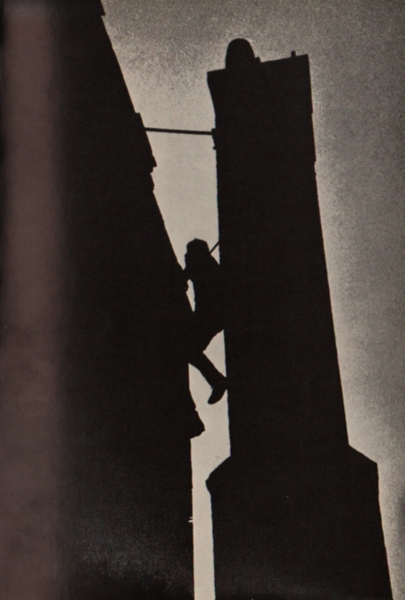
[
  {"x": 216, "y": 380},
  {"x": 218, "y": 390}
]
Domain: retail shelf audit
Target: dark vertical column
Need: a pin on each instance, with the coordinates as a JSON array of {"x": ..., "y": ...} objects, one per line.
[
  {"x": 31, "y": 310},
  {"x": 286, "y": 520},
  {"x": 96, "y": 413}
]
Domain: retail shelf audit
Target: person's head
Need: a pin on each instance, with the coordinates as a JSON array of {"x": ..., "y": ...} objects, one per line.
[{"x": 197, "y": 252}]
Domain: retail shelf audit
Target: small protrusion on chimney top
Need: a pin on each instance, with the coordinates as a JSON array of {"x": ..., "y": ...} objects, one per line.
[
  {"x": 293, "y": 54},
  {"x": 239, "y": 53}
]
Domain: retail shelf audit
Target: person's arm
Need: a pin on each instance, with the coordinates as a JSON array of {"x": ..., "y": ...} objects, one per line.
[{"x": 186, "y": 277}]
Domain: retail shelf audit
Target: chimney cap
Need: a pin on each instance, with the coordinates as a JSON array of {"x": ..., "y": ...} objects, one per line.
[{"x": 239, "y": 52}]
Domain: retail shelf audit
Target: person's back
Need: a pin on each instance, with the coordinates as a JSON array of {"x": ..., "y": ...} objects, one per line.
[{"x": 205, "y": 273}]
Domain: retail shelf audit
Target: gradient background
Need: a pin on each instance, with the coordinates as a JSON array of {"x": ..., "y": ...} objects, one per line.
[{"x": 356, "y": 50}]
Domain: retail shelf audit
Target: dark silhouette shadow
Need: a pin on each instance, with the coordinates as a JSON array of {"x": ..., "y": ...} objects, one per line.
[
  {"x": 128, "y": 413},
  {"x": 295, "y": 508}
]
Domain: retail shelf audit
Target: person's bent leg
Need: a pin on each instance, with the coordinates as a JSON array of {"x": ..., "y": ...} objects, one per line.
[{"x": 216, "y": 380}]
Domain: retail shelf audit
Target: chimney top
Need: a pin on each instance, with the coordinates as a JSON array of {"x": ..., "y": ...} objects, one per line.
[{"x": 239, "y": 52}]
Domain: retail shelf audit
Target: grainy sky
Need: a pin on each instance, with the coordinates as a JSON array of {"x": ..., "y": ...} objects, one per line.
[{"x": 356, "y": 50}]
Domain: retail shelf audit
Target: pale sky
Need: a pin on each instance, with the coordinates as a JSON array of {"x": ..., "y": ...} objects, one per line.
[{"x": 356, "y": 51}]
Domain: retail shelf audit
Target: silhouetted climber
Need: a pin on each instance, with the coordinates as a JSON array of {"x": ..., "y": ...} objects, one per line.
[{"x": 205, "y": 273}]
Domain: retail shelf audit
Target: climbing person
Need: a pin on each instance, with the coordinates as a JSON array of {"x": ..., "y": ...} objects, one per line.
[{"x": 208, "y": 317}]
